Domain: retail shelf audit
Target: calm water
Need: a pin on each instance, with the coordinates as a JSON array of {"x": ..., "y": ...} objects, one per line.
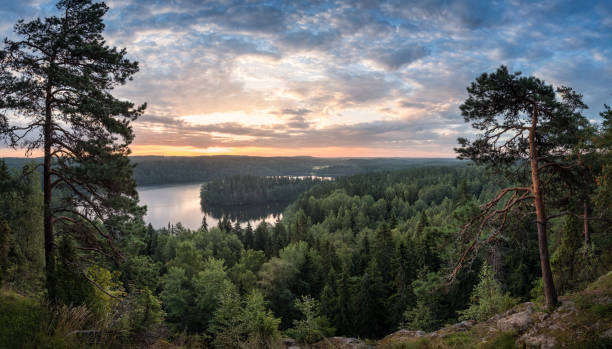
[{"x": 181, "y": 203}]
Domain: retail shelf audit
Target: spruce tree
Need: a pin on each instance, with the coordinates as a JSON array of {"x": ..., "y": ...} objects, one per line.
[
  {"x": 383, "y": 251},
  {"x": 5, "y": 242},
  {"x": 261, "y": 241},
  {"x": 345, "y": 319},
  {"x": 370, "y": 303},
  {"x": 248, "y": 237}
]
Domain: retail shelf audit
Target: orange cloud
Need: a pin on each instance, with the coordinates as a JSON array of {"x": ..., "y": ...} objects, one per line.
[{"x": 332, "y": 152}]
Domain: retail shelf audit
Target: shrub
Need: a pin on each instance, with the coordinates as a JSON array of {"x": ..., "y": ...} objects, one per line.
[
  {"x": 487, "y": 298},
  {"x": 313, "y": 327}
]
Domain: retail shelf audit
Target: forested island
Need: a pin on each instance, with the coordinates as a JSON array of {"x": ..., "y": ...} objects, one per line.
[
  {"x": 253, "y": 190},
  {"x": 508, "y": 246}
]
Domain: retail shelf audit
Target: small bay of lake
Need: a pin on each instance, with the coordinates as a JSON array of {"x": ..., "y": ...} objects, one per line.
[{"x": 181, "y": 203}]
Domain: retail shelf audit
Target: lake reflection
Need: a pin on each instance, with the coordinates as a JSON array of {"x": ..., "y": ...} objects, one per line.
[{"x": 181, "y": 203}]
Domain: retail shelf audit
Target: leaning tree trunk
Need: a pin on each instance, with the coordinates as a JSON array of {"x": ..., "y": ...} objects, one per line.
[
  {"x": 48, "y": 223},
  {"x": 549, "y": 285}
]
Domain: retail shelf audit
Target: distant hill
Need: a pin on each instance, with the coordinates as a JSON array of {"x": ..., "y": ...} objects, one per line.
[{"x": 159, "y": 170}]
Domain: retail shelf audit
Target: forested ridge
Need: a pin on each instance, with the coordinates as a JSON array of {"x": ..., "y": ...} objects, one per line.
[{"x": 160, "y": 170}]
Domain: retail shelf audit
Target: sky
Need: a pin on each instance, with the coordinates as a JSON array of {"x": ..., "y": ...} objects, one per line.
[{"x": 335, "y": 78}]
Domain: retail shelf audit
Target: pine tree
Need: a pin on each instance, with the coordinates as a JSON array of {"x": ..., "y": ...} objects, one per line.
[
  {"x": 532, "y": 133},
  {"x": 57, "y": 79}
]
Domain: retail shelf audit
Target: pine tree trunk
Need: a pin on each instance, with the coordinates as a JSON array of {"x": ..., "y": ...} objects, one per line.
[
  {"x": 48, "y": 224},
  {"x": 587, "y": 235},
  {"x": 549, "y": 287}
]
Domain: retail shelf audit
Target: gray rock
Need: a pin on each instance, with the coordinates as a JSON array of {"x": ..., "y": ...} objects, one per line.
[
  {"x": 538, "y": 341},
  {"x": 518, "y": 322},
  {"x": 341, "y": 343},
  {"x": 288, "y": 342},
  {"x": 467, "y": 323}
]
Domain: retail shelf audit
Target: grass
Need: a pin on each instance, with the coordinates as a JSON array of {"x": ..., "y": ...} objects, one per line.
[
  {"x": 504, "y": 340},
  {"x": 19, "y": 320},
  {"x": 24, "y": 323},
  {"x": 603, "y": 284},
  {"x": 458, "y": 340}
]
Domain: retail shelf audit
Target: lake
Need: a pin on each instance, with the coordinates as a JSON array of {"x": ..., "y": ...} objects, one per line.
[{"x": 181, "y": 203}]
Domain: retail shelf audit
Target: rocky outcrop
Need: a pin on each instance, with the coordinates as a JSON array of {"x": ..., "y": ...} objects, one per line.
[
  {"x": 330, "y": 343},
  {"x": 583, "y": 319},
  {"x": 518, "y": 322},
  {"x": 341, "y": 343}
]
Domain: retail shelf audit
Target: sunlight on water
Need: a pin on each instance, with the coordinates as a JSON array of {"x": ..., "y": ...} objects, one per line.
[{"x": 181, "y": 203}]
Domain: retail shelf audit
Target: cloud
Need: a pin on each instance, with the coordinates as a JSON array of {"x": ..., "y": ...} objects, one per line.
[
  {"x": 395, "y": 59},
  {"x": 340, "y": 73},
  {"x": 309, "y": 40}
]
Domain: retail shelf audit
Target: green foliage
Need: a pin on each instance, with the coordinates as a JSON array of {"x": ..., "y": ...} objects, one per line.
[
  {"x": 22, "y": 321},
  {"x": 537, "y": 291},
  {"x": 5, "y": 241},
  {"x": 312, "y": 327},
  {"x": 564, "y": 260},
  {"x": 227, "y": 326},
  {"x": 422, "y": 317},
  {"x": 105, "y": 301},
  {"x": 244, "y": 273},
  {"x": 370, "y": 300},
  {"x": 188, "y": 258},
  {"x": 143, "y": 311},
  {"x": 487, "y": 298},
  {"x": 209, "y": 285},
  {"x": 143, "y": 272},
  {"x": 428, "y": 314},
  {"x": 21, "y": 235},
  {"x": 262, "y": 325},
  {"x": 73, "y": 288},
  {"x": 174, "y": 295},
  {"x": 243, "y": 322}
]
